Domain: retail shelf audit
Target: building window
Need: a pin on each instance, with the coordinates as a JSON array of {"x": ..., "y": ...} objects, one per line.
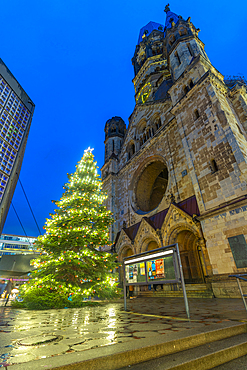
[
  {"x": 158, "y": 123},
  {"x": 172, "y": 40},
  {"x": 196, "y": 114},
  {"x": 191, "y": 84},
  {"x": 186, "y": 89},
  {"x": 190, "y": 49},
  {"x": 131, "y": 150},
  {"x": 177, "y": 57},
  {"x": 182, "y": 31},
  {"x": 213, "y": 166}
]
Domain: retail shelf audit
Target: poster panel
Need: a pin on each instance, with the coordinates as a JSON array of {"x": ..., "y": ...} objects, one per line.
[
  {"x": 159, "y": 269},
  {"x": 135, "y": 273}
]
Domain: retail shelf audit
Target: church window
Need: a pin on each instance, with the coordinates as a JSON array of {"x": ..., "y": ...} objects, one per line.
[
  {"x": 183, "y": 31},
  {"x": 213, "y": 166},
  {"x": 177, "y": 57},
  {"x": 133, "y": 149},
  {"x": 190, "y": 49},
  {"x": 158, "y": 123},
  {"x": 186, "y": 89},
  {"x": 196, "y": 114},
  {"x": 172, "y": 40},
  {"x": 151, "y": 186},
  {"x": 191, "y": 84},
  {"x": 113, "y": 145}
]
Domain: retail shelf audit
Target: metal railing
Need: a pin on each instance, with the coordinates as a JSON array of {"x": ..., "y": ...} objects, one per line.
[{"x": 240, "y": 277}]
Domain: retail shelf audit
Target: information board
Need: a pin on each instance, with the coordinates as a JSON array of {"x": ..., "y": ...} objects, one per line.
[
  {"x": 159, "y": 266},
  {"x": 151, "y": 270}
]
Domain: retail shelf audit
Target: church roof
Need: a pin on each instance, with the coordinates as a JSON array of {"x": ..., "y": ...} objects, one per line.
[
  {"x": 188, "y": 205},
  {"x": 149, "y": 27},
  {"x": 170, "y": 17}
]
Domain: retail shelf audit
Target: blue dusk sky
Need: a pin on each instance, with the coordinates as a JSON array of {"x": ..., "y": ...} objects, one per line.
[{"x": 73, "y": 58}]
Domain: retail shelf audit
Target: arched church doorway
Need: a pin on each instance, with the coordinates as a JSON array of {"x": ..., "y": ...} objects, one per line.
[{"x": 191, "y": 263}]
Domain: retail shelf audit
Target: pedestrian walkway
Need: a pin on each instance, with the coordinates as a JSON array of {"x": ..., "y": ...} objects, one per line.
[{"x": 46, "y": 339}]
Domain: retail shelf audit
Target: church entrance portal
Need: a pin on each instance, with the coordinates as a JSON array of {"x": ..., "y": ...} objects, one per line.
[{"x": 191, "y": 263}]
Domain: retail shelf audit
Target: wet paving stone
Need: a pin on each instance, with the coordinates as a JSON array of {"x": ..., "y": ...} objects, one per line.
[
  {"x": 32, "y": 335},
  {"x": 38, "y": 339}
]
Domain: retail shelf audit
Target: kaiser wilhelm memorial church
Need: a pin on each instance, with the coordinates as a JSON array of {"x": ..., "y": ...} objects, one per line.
[{"x": 178, "y": 174}]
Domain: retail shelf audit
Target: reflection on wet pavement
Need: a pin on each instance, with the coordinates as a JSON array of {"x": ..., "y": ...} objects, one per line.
[{"x": 31, "y": 335}]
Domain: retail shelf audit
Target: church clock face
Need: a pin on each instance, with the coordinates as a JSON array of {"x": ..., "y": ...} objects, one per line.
[{"x": 144, "y": 93}]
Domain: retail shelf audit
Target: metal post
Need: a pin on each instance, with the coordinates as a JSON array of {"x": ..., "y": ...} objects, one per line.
[
  {"x": 124, "y": 286},
  {"x": 182, "y": 282},
  {"x": 240, "y": 288}
]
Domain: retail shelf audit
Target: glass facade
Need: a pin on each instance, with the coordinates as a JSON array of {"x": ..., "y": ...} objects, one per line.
[
  {"x": 14, "y": 117},
  {"x": 16, "y": 244}
]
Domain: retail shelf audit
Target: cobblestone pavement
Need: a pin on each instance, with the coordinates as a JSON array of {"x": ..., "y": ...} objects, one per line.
[{"x": 31, "y": 335}]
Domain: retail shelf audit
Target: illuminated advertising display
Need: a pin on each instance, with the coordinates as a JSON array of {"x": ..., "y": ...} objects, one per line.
[
  {"x": 161, "y": 269},
  {"x": 135, "y": 273},
  {"x": 158, "y": 269},
  {"x": 160, "y": 266}
]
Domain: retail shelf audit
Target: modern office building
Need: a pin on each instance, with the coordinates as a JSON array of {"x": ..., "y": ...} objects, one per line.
[
  {"x": 16, "y": 244},
  {"x": 16, "y": 111}
]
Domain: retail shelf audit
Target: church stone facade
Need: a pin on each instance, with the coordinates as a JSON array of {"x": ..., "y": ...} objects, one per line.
[{"x": 178, "y": 174}]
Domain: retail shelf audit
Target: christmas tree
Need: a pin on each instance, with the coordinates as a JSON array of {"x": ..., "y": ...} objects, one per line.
[{"x": 72, "y": 267}]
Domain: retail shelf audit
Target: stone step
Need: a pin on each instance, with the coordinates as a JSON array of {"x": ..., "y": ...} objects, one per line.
[
  {"x": 143, "y": 352},
  {"x": 204, "y": 357},
  {"x": 177, "y": 293},
  {"x": 198, "y": 287}
]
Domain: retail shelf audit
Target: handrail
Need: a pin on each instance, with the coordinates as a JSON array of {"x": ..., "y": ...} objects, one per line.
[{"x": 240, "y": 277}]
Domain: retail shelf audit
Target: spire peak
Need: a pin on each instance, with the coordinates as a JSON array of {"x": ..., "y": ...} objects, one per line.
[{"x": 167, "y": 8}]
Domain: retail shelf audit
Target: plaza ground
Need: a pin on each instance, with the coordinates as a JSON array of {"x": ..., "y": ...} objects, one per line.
[{"x": 57, "y": 338}]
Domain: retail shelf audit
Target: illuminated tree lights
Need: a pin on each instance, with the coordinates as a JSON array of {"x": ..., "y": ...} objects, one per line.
[{"x": 72, "y": 268}]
